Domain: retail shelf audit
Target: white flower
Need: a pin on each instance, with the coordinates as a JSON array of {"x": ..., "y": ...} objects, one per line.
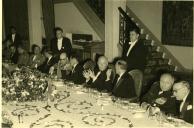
[{"x": 25, "y": 93}]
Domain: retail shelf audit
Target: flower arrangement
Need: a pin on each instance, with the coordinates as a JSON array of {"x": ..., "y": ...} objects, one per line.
[{"x": 24, "y": 85}]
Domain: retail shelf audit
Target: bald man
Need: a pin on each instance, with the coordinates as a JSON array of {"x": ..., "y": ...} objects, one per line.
[
  {"x": 101, "y": 77},
  {"x": 160, "y": 95},
  {"x": 183, "y": 93}
]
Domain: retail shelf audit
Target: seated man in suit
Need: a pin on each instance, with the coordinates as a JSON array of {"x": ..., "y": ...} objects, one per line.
[
  {"x": 98, "y": 78},
  {"x": 183, "y": 93},
  {"x": 134, "y": 52},
  {"x": 60, "y": 44},
  {"x": 123, "y": 82},
  {"x": 49, "y": 61},
  {"x": 36, "y": 59},
  {"x": 62, "y": 67},
  {"x": 76, "y": 74},
  {"x": 159, "y": 97},
  {"x": 11, "y": 54},
  {"x": 23, "y": 56}
]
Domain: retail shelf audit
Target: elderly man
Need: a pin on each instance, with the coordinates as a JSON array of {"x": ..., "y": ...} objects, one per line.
[
  {"x": 60, "y": 44},
  {"x": 183, "y": 93},
  {"x": 123, "y": 82},
  {"x": 98, "y": 78},
  {"x": 160, "y": 95}
]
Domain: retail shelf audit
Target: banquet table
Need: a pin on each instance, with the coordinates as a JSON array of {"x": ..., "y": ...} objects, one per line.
[{"x": 79, "y": 107}]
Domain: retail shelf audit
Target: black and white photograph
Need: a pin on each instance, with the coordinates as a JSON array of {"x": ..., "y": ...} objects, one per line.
[{"x": 96, "y": 64}]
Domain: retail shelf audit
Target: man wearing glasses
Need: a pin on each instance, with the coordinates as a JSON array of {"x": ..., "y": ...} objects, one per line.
[{"x": 183, "y": 93}]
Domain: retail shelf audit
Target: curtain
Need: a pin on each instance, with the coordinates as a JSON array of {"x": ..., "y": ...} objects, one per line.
[{"x": 48, "y": 20}]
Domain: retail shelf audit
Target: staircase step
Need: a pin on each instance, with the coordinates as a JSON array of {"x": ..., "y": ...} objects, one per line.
[
  {"x": 157, "y": 61},
  {"x": 153, "y": 48},
  {"x": 154, "y": 69},
  {"x": 163, "y": 61},
  {"x": 144, "y": 36},
  {"x": 165, "y": 67},
  {"x": 155, "y": 54},
  {"x": 149, "y": 42}
]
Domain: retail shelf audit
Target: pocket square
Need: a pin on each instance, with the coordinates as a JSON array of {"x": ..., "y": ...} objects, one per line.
[{"x": 189, "y": 107}]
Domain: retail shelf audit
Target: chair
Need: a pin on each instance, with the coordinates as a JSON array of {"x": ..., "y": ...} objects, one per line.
[{"x": 137, "y": 76}]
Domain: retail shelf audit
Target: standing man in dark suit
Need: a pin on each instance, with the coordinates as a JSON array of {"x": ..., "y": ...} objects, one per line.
[
  {"x": 160, "y": 95},
  {"x": 13, "y": 37},
  {"x": 123, "y": 82},
  {"x": 101, "y": 78},
  {"x": 60, "y": 44},
  {"x": 134, "y": 52},
  {"x": 183, "y": 93},
  {"x": 76, "y": 75},
  {"x": 49, "y": 62}
]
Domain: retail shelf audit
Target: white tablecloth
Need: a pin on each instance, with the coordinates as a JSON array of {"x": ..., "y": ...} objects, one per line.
[{"x": 79, "y": 110}]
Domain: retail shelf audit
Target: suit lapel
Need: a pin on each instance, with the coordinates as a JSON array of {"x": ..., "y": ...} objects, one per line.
[{"x": 117, "y": 84}]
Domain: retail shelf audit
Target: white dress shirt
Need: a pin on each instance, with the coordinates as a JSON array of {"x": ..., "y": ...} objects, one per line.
[
  {"x": 160, "y": 92},
  {"x": 182, "y": 103},
  {"x": 49, "y": 59},
  {"x": 96, "y": 76},
  {"x": 59, "y": 43},
  {"x": 132, "y": 44},
  {"x": 74, "y": 68},
  {"x": 34, "y": 57},
  {"x": 13, "y": 37}
]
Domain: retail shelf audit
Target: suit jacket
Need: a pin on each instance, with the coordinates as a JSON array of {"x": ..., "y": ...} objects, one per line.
[
  {"x": 66, "y": 47},
  {"x": 77, "y": 75},
  {"x": 45, "y": 67},
  {"x": 153, "y": 94},
  {"x": 187, "y": 110},
  {"x": 100, "y": 83},
  {"x": 124, "y": 88},
  {"x": 14, "y": 57},
  {"x": 38, "y": 60},
  {"x": 137, "y": 56},
  {"x": 16, "y": 41},
  {"x": 23, "y": 59},
  {"x": 10, "y": 56}
]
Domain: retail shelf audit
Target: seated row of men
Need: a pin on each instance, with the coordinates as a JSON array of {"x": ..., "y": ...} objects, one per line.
[{"x": 167, "y": 95}]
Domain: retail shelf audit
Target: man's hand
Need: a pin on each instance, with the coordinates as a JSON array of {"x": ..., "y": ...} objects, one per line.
[
  {"x": 91, "y": 74},
  {"x": 161, "y": 100},
  {"x": 86, "y": 74},
  {"x": 51, "y": 70}
]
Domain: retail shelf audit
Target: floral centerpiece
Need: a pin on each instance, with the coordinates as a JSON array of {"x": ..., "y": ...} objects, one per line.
[{"x": 24, "y": 85}]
